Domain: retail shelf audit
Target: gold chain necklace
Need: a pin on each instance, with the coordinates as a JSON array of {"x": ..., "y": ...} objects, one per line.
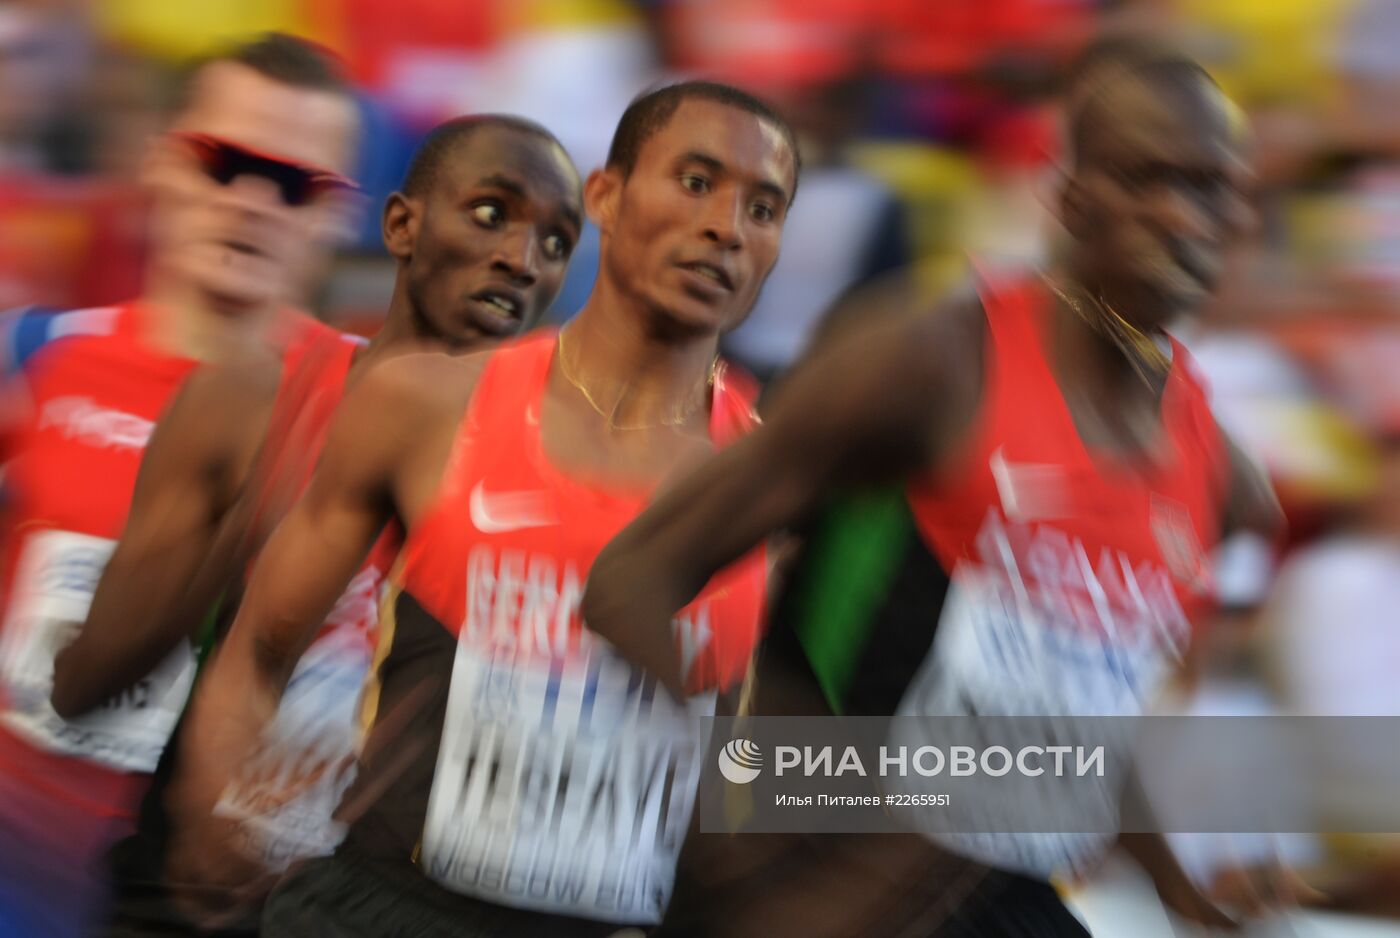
[
  {"x": 1148, "y": 360},
  {"x": 680, "y": 418}
]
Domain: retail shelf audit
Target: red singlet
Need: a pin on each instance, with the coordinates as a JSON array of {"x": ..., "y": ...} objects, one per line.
[{"x": 540, "y": 718}]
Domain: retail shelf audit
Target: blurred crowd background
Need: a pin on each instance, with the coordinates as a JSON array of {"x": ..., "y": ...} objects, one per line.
[{"x": 929, "y": 139}]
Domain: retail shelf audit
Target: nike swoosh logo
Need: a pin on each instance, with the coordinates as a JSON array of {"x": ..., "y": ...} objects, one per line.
[{"x": 501, "y": 512}]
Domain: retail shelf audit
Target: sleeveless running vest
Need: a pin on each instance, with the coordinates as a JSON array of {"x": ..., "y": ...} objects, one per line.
[
  {"x": 95, "y": 396},
  {"x": 554, "y": 776},
  {"x": 287, "y": 794},
  {"x": 1072, "y": 579}
]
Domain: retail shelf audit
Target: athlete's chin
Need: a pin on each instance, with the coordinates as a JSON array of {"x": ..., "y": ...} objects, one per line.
[
  {"x": 1152, "y": 306},
  {"x": 1173, "y": 307},
  {"x": 695, "y": 315},
  {"x": 236, "y": 295}
]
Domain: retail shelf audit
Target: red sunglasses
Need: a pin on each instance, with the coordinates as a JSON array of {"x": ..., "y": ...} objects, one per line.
[{"x": 223, "y": 162}]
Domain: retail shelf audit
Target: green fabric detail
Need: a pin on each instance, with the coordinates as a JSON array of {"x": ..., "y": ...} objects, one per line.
[
  {"x": 850, "y": 561},
  {"x": 205, "y": 638}
]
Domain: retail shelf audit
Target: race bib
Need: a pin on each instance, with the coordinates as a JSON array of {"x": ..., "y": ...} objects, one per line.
[
  {"x": 563, "y": 785},
  {"x": 1008, "y": 646},
  {"x": 1006, "y": 649},
  {"x": 286, "y": 795},
  {"x": 55, "y": 579}
]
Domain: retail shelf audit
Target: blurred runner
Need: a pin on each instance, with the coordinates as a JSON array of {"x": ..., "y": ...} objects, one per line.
[
  {"x": 247, "y": 190},
  {"x": 519, "y": 778},
  {"x": 483, "y": 230},
  {"x": 1037, "y": 428}
]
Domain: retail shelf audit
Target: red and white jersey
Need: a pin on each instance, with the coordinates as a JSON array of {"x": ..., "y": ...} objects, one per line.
[
  {"x": 1079, "y": 549},
  {"x": 93, "y": 398},
  {"x": 540, "y": 718},
  {"x": 93, "y": 401},
  {"x": 1073, "y": 578}
]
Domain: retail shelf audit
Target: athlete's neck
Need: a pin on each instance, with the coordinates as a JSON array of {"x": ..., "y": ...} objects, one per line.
[
  {"x": 1084, "y": 354},
  {"x": 402, "y": 330},
  {"x": 637, "y": 377},
  {"x": 189, "y": 325},
  {"x": 406, "y": 330}
]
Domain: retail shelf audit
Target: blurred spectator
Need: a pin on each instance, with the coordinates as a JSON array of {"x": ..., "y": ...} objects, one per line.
[
  {"x": 177, "y": 32},
  {"x": 606, "y": 49},
  {"x": 1314, "y": 454},
  {"x": 1330, "y": 647},
  {"x": 44, "y": 53},
  {"x": 421, "y": 57},
  {"x": 1332, "y": 638},
  {"x": 845, "y": 228}
]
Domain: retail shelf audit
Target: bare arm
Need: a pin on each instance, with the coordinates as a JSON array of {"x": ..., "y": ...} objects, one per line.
[
  {"x": 372, "y": 463},
  {"x": 1250, "y": 504},
  {"x": 308, "y": 561},
  {"x": 173, "y": 560},
  {"x": 859, "y": 412}
]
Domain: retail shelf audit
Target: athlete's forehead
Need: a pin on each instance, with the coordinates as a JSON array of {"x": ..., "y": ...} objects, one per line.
[
  {"x": 231, "y": 101},
  {"x": 726, "y": 138},
  {"x": 1181, "y": 121},
  {"x": 518, "y": 162}
]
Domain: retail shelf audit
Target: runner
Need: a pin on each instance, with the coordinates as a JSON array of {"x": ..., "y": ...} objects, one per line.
[
  {"x": 1051, "y": 412},
  {"x": 245, "y": 199},
  {"x": 511, "y": 825},
  {"x": 483, "y": 230}
]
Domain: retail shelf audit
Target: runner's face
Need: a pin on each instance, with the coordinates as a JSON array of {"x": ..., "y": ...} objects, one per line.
[
  {"x": 1160, "y": 178},
  {"x": 698, "y": 223},
  {"x": 240, "y": 244},
  {"x": 493, "y": 236}
]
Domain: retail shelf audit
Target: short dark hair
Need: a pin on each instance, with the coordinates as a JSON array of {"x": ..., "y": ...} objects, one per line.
[
  {"x": 650, "y": 112},
  {"x": 285, "y": 59},
  {"x": 1117, "y": 56},
  {"x": 445, "y": 139}
]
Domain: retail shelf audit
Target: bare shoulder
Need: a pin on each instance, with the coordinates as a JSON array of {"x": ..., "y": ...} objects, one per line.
[
  {"x": 398, "y": 403},
  {"x": 396, "y": 428},
  {"x": 418, "y": 385}
]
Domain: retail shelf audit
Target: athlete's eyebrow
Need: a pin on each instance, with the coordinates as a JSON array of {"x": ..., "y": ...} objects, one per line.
[
  {"x": 505, "y": 183},
  {"x": 712, "y": 163},
  {"x": 573, "y": 216},
  {"x": 715, "y": 165}
]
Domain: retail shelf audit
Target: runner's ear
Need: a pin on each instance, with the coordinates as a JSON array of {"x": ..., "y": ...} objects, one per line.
[
  {"x": 600, "y": 197},
  {"x": 399, "y": 225}
]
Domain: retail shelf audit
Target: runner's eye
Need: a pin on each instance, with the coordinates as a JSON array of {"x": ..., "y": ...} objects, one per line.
[
  {"x": 556, "y": 247},
  {"x": 695, "y": 183},
  {"x": 488, "y": 214}
]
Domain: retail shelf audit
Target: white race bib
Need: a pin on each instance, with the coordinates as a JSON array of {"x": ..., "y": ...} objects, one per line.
[
  {"x": 55, "y": 579},
  {"x": 1000, "y": 651},
  {"x": 287, "y": 794},
  {"x": 563, "y": 786},
  {"x": 1008, "y": 647}
]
